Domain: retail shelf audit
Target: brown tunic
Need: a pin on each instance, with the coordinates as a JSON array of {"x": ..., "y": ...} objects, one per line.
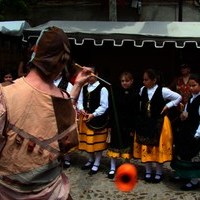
[{"x": 38, "y": 127}]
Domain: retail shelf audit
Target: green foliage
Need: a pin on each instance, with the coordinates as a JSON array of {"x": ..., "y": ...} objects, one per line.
[{"x": 7, "y": 7}]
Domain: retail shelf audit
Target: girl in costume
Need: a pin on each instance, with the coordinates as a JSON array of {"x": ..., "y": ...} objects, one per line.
[
  {"x": 153, "y": 141},
  {"x": 186, "y": 162},
  {"x": 93, "y": 131},
  {"x": 123, "y": 118}
]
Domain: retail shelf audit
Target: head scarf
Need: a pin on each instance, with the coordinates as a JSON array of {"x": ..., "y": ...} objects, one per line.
[{"x": 51, "y": 47}]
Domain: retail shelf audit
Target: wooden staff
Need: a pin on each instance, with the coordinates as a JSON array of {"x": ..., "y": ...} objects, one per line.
[{"x": 79, "y": 66}]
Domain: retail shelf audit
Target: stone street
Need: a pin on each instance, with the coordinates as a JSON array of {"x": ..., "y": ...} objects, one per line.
[{"x": 99, "y": 187}]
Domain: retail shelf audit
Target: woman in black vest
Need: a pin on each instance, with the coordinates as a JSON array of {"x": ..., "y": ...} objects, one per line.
[
  {"x": 153, "y": 141},
  {"x": 186, "y": 161}
]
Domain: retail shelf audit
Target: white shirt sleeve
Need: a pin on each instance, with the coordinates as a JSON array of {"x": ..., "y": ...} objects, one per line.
[
  {"x": 80, "y": 101},
  {"x": 103, "y": 103},
  {"x": 69, "y": 87},
  {"x": 197, "y": 134},
  {"x": 173, "y": 97},
  {"x": 141, "y": 89}
]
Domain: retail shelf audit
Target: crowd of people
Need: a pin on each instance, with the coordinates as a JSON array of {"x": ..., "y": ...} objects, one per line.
[{"x": 89, "y": 115}]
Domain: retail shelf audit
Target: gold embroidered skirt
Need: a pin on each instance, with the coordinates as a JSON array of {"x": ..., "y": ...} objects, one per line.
[
  {"x": 91, "y": 140},
  {"x": 161, "y": 153}
]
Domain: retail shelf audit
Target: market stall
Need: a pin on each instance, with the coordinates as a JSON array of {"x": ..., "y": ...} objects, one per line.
[
  {"x": 11, "y": 44},
  {"x": 116, "y": 46}
]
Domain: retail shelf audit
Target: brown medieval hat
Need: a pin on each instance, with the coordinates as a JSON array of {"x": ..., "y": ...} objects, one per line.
[{"x": 51, "y": 47}]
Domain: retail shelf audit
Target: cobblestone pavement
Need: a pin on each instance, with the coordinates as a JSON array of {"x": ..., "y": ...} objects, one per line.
[{"x": 99, "y": 187}]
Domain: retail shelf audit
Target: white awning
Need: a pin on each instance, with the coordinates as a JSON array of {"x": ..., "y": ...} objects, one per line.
[
  {"x": 14, "y": 28},
  {"x": 137, "y": 33}
]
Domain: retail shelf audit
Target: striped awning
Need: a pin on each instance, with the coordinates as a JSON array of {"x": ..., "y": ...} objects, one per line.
[{"x": 137, "y": 33}]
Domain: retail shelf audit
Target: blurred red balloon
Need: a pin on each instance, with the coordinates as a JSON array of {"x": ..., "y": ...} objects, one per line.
[{"x": 126, "y": 177}]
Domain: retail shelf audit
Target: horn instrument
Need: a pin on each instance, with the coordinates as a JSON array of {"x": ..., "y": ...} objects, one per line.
[
  {"x": 81, "y": 67},
  {"x": 126, "y": 177}
]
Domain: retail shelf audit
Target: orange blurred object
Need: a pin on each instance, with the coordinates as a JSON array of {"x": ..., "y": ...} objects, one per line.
[{"x": 126, "y": 177}]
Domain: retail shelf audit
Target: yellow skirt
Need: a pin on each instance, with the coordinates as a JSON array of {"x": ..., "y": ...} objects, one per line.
[
  {"x": 90, "y": 140},
  {"x": 161, "y": 153}
]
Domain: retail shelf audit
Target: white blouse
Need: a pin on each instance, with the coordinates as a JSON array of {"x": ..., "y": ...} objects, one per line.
[
  {"x": 103, "y": 105},
  {"x": 173, "y": 97}
]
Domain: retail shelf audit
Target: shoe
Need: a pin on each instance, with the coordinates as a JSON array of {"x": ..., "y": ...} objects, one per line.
[
  {"x": 86, "y": 167},
  {"x": 191, "y": 187},
  {"x": 157, "y": 178},
  {"x": 111, "y": 174},
  {"x": 92, "y": 172},
  {"x": 66, "y": 164},
  {"x": 147, "y": 178}
]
